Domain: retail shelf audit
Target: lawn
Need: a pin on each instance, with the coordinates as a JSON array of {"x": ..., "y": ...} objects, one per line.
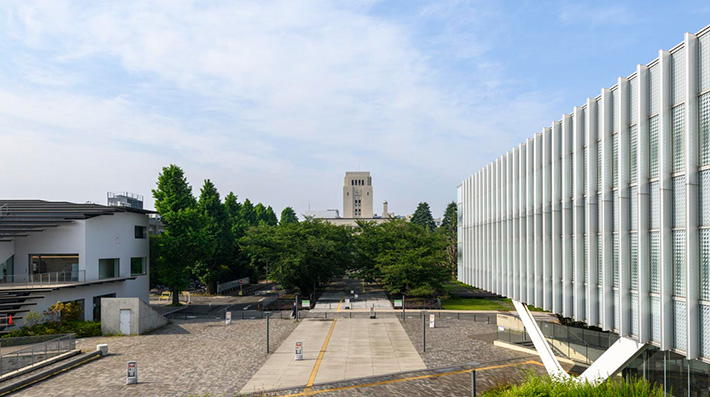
[{"x": 477, "y": 304}]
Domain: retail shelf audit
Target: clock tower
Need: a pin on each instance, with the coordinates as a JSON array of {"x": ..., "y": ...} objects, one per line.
[{"x": 357, "y": 195}]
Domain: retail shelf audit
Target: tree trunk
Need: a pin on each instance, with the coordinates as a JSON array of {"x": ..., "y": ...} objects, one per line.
[{"x": 176, "y": 297}]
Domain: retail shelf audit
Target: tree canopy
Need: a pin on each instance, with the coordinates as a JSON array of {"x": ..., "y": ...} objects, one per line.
[
  {"x": 422, "y": 217},
  {"x": 288, "y": 215}
]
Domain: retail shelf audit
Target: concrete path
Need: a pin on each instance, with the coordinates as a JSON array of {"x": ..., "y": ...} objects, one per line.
[
  {"x": 368, "y": 295},
  {"x": 356, "y": 348}
]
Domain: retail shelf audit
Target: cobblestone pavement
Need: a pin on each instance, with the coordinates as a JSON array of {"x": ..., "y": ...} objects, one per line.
[{"x": 184, "y": 358}]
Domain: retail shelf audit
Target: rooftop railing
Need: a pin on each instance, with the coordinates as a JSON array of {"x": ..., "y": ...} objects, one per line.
[{"x": 66, "y": 277}]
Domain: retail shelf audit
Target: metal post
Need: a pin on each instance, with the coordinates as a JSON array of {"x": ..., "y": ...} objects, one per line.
[
  {"x": 473, "y": 383},
  {"x": 267, "y": 333},
  {"x": 424, "y": 332},
  {"x": 296, "y": 307},
  {"x": 403, "y": 318}
]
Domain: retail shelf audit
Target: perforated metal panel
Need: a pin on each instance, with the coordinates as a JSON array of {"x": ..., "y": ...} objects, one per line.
[
  {"x": 601, "y": 303},
  {"x": 615, "y": 210},
  {"x": 679, "y": 262},
  {"x": 634, "y": 248},
  {"x": 704, "y": 61},
  {"x": 704, "y": 127},
  {"x": 705, "y": 264},
  {"x": 654, "y": 89},
  {"x": 655, "y": 319},
  {"x": 655, "y": 248},
  {"x": 615, "y": 161},
  {"x": 679, "y": 201},
  {"x": 599, "y": 167},
  {"x": 599, "y": 213},
  {"x": 586, "y": 258},
  {"x": 572, "y": 250},
  {"x": 633, "y": 100},
  {"x": 655, "y": 205},
  {"x": 680, "y": 334},
  {"x": 679, "y": 138},
  {"x": 704, "y": 198},
  {"x": 615, "y": 262},
  {"x": 634, "y": 314},
  {"x": 615, "y": 110},
  {"x": 633, "y": 208},
  {"x": 679, "y": 76},
  {"x": 599, "y": 258},
  {"x": 633, "y": 153},
  {"x": 705, "y": 331},
  {"x": 616, "y": 307},
  {"x": 585, "y": 160},
  {"x": 653, "y": 147}
]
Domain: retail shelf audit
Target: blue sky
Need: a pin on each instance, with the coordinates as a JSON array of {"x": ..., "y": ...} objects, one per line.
[{"x": 275, "y": 100}]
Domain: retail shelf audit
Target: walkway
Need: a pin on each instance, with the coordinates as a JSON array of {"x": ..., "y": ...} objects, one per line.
[{"x": 368, "y": 295}]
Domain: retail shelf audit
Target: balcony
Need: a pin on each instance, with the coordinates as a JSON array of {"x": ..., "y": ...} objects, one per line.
[{"x": 42, "y": 279}]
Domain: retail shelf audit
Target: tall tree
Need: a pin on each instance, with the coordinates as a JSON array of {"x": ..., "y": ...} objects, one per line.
[
  {"x": 422, "y": 217},
  {"x": 270, "y": 217},
  {"x": 179, "y": 244},
  {"x": 215, "y": 237},
  {"x": 248, "y": 215},
  {"x": 288, "y": 215},
  {"x": 449, "y": 229}
]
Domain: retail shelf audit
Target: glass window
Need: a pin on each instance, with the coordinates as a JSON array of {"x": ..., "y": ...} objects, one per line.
[
  {"x": 705, "y": 265},
  {"x": 138, "y": 266},
  {"x": 654, "y": 147},
  {"x": 704, "y": 127},
  {"x": 633, "y": 153},
  {"x": 141, "y": 232},
  {"x": 51, "y": 263},
  {"x": 679, "y": 262},
  {"x": 655, "y": 246},
  {"x": 678, "y": 138},
  {"x": 108, "y": 268}
]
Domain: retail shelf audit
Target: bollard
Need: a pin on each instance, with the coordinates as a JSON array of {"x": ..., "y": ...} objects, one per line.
[
  {"x": 473, "y": 383},
  {"x": 424, "y": 332},
  {"x": 132, "y": 373},
  {"x": 267, "y": 334},
  {"x": 103, "y": 348},
  {"x": 299, "y": 351}
]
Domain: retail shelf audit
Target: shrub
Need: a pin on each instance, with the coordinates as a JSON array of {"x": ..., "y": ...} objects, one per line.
[
  {"x": 542, "y": 385},
  {"x": 82, "y": 329}
]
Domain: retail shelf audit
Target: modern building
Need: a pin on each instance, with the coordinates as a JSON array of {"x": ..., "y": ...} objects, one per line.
[
  {"x": 604, "y": 216},
  {"x": 125, "y": 199},
  {"x": 64, "y": 252},
  {"x": 357, "y": 195}
]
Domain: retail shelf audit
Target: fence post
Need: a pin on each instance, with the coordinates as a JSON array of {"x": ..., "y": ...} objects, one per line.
[
  {"x": 473, "y": 383},
  {"x": 423, "y": 332}
]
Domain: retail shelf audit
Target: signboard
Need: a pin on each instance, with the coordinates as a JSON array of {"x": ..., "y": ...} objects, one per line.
[
  {"x": 306, "y": 303},
  {"x": 299, "y": 351},
  {"x": 132, "y": 373},
  {"x": 347, "y": 303},
  {"x": 432, "y": 321},
  {"x": 228, "y": 318},
  {"x": 397, "y": 303}
]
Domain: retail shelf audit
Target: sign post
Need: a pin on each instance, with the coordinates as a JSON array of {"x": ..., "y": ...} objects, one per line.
[
  {"x": 132, "y": 373},
  {"x": 347, "y": 303},
  {"x": 299, "y": 351},
  {"x": 228, "y": 318},
  {"x": 424, "y": 333},
  {"x": 268, "y": 315},
  {"x": 432, "y": 321},
  {"x": 305, "y": 303}
]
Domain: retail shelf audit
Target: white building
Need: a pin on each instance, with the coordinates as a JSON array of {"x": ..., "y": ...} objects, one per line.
[
  {"x": 59, "y": 251},
  {"x": 605, "y": 215}
]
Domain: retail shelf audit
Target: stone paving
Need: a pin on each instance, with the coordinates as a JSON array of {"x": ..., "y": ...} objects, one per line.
[{"x": 184, "y": 358}]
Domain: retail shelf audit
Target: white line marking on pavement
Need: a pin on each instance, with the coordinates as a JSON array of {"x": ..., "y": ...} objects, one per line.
[{"x": 248, "y": 306}]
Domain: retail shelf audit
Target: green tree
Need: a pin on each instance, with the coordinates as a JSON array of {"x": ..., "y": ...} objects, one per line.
[
  {"x": 265, "y": 215},
  {"x": 403, "y": 256},
  {"x": 301, "y": 255},
  {"x": 288, "y": 215},
  {"x": 422, "y": 217},
  {"x": 449, "y": 230},
  {"x": 215, "y": 238},
  {"x": 179, "y": 244},
  {"x": 247, "y": 215}
]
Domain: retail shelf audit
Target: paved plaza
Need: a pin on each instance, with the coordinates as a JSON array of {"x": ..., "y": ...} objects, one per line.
[{"x": 356, "y": 348}]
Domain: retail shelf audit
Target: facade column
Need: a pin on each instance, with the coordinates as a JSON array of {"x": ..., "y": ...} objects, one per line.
[
  {"x": 607, "y": 211},
  {"x": 523, "y": 190},
  {"x": 546, "y": 220},
  {"x": 515, "y": 278},
  {"x": 556, "y": 217},
  {"x": 537, "y": 271},
  {"x": 510, "y": 239},
  {"x": 530, "y": 206},
  {"x": 692, "y": 198},
  {"x": 644, "y": 198},
  {"x": 592, "y": 214},
  {"x": 624, "y": 211},
  {"x": 567, "y": 219},
  {"x": 496, "y": 226},
  {"x": 578, "y": 213},
  {"x": 666, "y": 195}
]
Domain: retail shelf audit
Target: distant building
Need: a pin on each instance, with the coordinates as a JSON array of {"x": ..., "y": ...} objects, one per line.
[
  {"x": 357, "y": 202},
  {"x": 125, "y": 199}
]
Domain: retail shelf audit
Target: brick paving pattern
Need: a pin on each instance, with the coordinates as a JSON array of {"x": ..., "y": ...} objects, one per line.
[{"x": 190, "y": 357}]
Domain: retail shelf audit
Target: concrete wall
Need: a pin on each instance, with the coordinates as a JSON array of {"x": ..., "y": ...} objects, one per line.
[
  {"x": 143, "y": 317},
  {"x": 7, "y": 249},
  {"x": 65, "y": 239}
]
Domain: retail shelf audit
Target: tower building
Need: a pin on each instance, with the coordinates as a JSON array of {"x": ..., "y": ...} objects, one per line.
[{"x": 357, "y": 195}]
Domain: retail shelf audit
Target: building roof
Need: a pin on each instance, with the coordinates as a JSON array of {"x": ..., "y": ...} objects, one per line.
[{"x": 19, "y": 218}]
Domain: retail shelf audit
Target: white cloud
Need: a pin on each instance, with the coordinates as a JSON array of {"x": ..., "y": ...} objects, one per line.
[{"x": 269, "y": 99}]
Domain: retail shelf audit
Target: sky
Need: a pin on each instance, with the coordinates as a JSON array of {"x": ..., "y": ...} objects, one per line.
[{"x": 276, "y": 100}]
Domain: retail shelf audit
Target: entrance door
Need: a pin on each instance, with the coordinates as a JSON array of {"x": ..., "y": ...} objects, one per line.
[{"x": 125, "y": 322}]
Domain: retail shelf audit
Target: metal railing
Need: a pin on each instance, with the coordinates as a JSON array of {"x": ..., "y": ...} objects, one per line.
[
  {"x": 15, "y": 359},
  {"x": 230, "y": 285},
  {"x": 75, "y": 276},
  {"x": 4, "y": 209},
  {"x": 488, "y": 318},
  {"x": 578, "y": 344}
]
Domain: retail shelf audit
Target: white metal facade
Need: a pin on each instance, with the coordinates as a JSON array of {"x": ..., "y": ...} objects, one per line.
[{"x": 605, "y": 215}]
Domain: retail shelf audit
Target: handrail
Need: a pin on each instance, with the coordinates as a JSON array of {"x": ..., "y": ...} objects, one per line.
[{"x": 72, "y": 276}]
